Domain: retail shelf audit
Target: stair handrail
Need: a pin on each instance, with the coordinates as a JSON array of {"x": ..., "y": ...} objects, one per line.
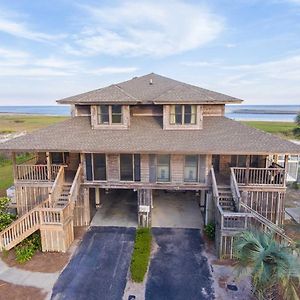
[
  {"x": 19, "y": 220},
  {"x": 57, "y": 185},
  {"x": 214, "y": 183},
  {"x": 235, "y": 189},
  {"x": 76, "y": 184},
  {"x": 273, "y": 227}
]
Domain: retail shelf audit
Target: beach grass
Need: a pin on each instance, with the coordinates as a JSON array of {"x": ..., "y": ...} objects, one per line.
[
  {"x": 20, "y": 123},
  {"x": 284, "y": 129}
]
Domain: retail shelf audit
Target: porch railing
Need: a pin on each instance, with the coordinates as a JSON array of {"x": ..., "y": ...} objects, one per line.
[
  {"x": 260, "y": 176},
  {"x": 36, "y": 172}
]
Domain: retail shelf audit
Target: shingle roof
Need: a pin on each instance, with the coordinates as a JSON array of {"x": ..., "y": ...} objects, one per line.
[
  {"x": 139, "y": 90},
  {"x": 218, "y": 136}
]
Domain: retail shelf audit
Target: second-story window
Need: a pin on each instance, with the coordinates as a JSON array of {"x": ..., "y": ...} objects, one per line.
[
  {"x": 191, "y": 168},
  {"x": 183, "y": 114},
  {"x": 163, "y": 168},
  {"x": 110, "y": 114},
  {"x": 130, "y": 169}
]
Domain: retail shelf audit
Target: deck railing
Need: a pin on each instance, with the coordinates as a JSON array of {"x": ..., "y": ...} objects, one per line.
[
  {"x": 27, "y": 172},
  {"x": 260, "y": 176}
]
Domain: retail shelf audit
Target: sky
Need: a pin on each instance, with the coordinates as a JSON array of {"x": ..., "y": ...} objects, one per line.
[{"x": 249, "y": 49}]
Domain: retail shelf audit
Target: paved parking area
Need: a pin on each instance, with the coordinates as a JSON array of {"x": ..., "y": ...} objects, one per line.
[
  {"x": 117, "y": 208},
  {"x": 99, "y": 267},
  {"x": 176, "y": 210},
  {"x": 178, "y": 269}
]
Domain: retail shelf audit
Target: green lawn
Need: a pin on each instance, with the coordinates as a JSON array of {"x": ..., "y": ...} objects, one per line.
[
  {"x": 283, "y": 129},
  {"x": 141, "y": 254},
  {"x": 19, "y": 123}
]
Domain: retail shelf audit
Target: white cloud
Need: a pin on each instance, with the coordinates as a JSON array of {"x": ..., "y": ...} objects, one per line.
[
  {"x": 269, "y": 82},
  {"x": 135, "y": 28},
  {"x": 11, "y": 24},
  {"x": 112, "y": 70}
]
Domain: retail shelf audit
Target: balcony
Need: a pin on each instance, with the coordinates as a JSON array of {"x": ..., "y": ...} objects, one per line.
[{"x": 275, "y": 177}]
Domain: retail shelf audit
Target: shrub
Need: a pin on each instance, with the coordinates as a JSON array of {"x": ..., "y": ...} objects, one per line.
[
  {"x": 27, "y": 248},
  {"x": 209, "y": 231},
  {"x": 141, "y": 254},
  {"x": 6, "y": 218},
  {"x": 296, "y": 131}
]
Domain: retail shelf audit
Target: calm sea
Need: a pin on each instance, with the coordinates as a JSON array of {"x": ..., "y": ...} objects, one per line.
[{"x": 237, "y": 112}]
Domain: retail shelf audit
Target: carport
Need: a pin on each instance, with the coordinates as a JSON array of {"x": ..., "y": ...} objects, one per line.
[
  {"x": 176, "y": 209},
  {"x": 118, "y": 207}
]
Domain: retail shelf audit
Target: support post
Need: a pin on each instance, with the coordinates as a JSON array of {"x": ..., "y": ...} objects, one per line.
[
  {"x": 14, "y": 162},
  {"x": 86, "y": 201},
  {"x": 48, "y": 166},
  {"x": 97, "y": 194},
  {"x": 247, "y": 169},
  {"x": 286, "y": 164}
]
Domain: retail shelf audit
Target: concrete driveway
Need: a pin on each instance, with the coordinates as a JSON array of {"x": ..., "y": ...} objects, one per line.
[
  {"x": 99, "y": 267},
  {"x": 176, "y": 210},
  {"x": 178, "y": 269},
  {"x": 117, "y": 208}
]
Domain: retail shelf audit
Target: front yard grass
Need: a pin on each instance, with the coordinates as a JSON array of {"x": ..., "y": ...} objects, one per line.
[
  {"x": 284, "y": 129},
  {"x": 141, "y": 254}
]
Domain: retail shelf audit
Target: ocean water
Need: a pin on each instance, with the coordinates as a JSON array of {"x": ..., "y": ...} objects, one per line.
[{"x": 237, "y": 112}]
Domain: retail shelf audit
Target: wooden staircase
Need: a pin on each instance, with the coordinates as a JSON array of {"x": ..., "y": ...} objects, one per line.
[
  {"x": 225, "y": 198},
  {"x": 53, "y": 217},
  {"x": 232, "y": 216},
  {"x": 63, "y": 198}
]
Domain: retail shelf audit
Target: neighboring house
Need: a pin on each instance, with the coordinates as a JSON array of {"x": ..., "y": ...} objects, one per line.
[{"x": 148, "y": 133}]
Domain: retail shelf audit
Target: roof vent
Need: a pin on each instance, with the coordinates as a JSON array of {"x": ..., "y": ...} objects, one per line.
[{"x": 150, "y": 81}]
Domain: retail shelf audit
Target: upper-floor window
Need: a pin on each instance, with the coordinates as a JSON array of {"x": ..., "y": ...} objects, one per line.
[
  {"x": 183, "y": 114},
  {"x": 110, "y": 114},
  {"x": 95, "y": 166},
  {"x": 130, "y": 169},
  {"x": 191, "y": 168},
  {"x": 163, "y": 168}
]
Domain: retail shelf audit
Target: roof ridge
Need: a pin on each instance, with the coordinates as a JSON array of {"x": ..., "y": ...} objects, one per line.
[
  {"x": 123, "y": 91},
  {"x": 169, "y": 90}
]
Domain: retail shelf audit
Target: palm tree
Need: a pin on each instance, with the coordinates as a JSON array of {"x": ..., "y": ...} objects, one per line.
[{"x": 273, "y": 267}]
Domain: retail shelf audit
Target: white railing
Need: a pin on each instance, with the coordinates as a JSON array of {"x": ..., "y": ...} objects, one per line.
[{"x": 260, "y": 176}]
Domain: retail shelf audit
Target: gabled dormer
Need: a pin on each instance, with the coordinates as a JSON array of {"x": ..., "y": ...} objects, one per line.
[{"x": 183, "y": 105}]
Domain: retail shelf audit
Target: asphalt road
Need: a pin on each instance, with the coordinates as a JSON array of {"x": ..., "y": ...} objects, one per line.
[
  {"x": 178, "y": 270},
  {"x": 99, "y": 267}
]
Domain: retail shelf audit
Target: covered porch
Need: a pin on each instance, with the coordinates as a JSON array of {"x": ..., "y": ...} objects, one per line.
[
  {"x": 251, "y": 169},
  {"x": 44, "y": 166}
]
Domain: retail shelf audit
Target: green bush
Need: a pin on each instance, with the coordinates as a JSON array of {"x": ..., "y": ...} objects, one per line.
[
  {"x": 295, "y": 185},
  {"x": 209, "y": 231},
  {"x": 141, "y": 254},
  {"x": 6, "y": 218},
  {"x": 27, "y": 248},
  {"x": 296, "y": 131}
]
